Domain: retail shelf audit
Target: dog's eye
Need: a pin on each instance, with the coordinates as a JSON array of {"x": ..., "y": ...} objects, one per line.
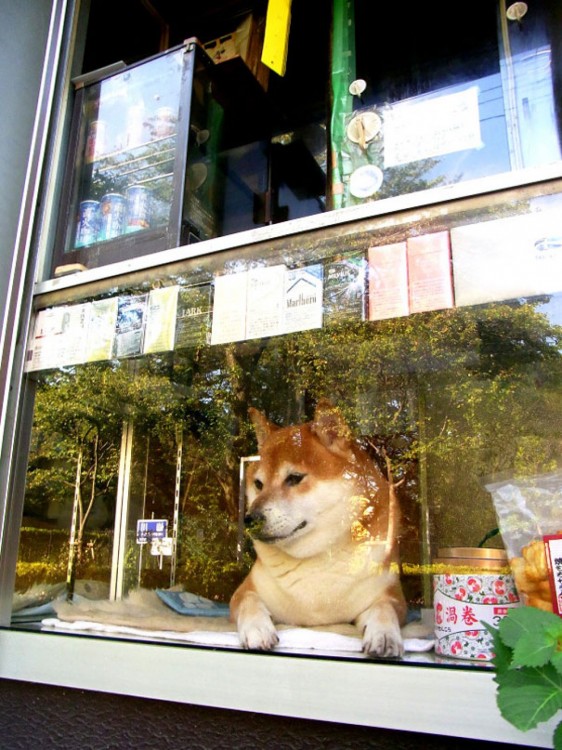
[
  {"x": 258, "y": 484},
  {"x": 294, "y": 479}
]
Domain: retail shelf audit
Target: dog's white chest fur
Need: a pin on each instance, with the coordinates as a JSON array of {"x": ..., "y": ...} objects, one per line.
[{"x": 332, "y": 587}]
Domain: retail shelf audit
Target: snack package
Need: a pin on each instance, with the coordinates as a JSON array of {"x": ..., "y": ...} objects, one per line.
[{"x": 529, "y": 511}]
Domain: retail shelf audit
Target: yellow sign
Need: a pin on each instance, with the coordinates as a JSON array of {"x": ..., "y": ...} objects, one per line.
[{"x": 276, "y": 41}]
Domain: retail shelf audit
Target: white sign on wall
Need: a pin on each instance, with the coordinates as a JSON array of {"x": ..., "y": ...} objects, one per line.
[{"x": 428, "y": 126}]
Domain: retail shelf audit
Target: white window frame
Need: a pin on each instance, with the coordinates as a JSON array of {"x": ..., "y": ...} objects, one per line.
[{"x": 459, "y": 702}]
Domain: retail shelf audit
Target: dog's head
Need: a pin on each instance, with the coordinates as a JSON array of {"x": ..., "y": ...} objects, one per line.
[{"x": 311, "y": 485}]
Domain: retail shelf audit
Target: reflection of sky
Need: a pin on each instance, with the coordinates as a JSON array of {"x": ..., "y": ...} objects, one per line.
[
  {"x": 531, "y": 113},
  {"x": 494, "y": 155},
  {"x": 535, "y": 107},
  {"x": 138, "y": 93},
  {"x": 552, "y": 309}
]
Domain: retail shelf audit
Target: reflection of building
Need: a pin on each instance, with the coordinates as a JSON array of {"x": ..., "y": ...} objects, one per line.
[{"x": 459, "y": 133}]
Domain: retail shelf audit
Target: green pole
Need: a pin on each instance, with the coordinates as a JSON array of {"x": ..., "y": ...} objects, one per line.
[{"x": 342, "y": 74}]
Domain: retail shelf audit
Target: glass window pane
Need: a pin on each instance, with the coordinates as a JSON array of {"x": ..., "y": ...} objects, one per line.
[
  {"x": 446, "y": 99},
  {"x": 445, "y": 372},
  {"x": 123, "y": 180}
]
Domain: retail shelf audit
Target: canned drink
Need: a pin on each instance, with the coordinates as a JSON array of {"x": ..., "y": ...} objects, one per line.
[
  {"x": 135, "y": 135},
  {"x": 88, "y": 223},
  {"x": 165, "y": 123},
  {"x": 138, "y": 207},
  {"x": 96, "y": 142},
  {"x": 113, "y": 210}
]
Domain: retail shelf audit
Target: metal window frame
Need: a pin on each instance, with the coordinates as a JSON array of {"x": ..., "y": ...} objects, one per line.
[{"x": 459, "y": 702}]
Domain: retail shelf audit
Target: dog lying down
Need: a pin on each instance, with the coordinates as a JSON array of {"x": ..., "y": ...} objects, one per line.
[{"x": 324, "y": 523}]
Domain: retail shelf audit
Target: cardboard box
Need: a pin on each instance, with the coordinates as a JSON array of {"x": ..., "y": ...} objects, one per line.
[{"x": 245, "y": 42}]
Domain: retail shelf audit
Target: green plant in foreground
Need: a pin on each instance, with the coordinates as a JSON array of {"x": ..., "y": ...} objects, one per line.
[{"x": 528, "y": 662}]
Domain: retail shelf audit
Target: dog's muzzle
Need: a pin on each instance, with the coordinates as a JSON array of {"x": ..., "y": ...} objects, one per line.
[{"x": 256, "y": 522}]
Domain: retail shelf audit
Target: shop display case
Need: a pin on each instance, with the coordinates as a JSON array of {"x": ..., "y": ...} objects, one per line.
[
  {"x": 150, "y": 163},
  {"x": 421, "y": 321},
  {"x": 451, "y": 372}
]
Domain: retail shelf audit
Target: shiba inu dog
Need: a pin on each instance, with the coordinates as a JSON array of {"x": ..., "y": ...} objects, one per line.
[{"x": 324, "y": 523}]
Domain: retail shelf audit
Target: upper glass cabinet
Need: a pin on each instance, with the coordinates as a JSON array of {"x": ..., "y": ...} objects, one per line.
[
  {"x": 128, "y": 150},
  {"x": 144, "y": 171}
]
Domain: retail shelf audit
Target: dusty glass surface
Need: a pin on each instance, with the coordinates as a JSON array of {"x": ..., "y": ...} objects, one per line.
[
  {"x": 436, "y": 339},
  {"x": 443, "y": 99},
  {"x": 123, "y": 179}
]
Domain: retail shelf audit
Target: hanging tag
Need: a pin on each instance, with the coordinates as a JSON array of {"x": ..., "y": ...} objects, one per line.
[
  {"x": 276, "y": 40},
  {"x": 553, "y": 550}
]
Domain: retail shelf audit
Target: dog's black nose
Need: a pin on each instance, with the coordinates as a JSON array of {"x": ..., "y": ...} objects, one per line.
[{"x": 254, "y": 521}]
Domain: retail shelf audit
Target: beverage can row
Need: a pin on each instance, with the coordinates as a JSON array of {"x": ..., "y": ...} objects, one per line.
[
  {"x": 139, "y": 130},
  {"x": 114, "y": 215}
]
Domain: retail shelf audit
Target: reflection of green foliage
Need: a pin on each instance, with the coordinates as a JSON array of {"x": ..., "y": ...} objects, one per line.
[
  {"x": 43, "y": 556},
  {"x": 483, "y": 407},
  {"x": 28, "y": 573},
  {"x": 452, "y": 397},
  {"x": 399, "y": 180},
  {"x": 144, "y": 165},
  {"x": 208, "y": 561},
  {"x": 70, "y": 420}
]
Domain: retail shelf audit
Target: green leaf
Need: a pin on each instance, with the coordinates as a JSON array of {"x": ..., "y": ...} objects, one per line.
[
  {"x": 515, "y": 678},
  {"x": 528, "y": 696},
  {"x": 534, "y": 636},
  {"x": 556, "y": 661},
  {"x": 534, "y": 650},
  {"x": 529, "y": 620},
  {"x": 502, "y": 654}
]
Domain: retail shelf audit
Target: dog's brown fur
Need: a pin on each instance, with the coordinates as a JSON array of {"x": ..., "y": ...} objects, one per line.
[{"x": 324, "y": 523}]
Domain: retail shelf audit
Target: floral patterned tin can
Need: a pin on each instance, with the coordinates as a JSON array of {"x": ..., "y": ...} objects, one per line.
[{"x": 464, "y": 602}]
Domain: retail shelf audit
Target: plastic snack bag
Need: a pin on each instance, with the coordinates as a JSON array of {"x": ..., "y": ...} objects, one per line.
[{"x": 529, "y": 511}]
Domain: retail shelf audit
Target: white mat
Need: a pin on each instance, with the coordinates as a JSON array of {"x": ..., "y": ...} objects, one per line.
[{"x": 290, "y": 639}]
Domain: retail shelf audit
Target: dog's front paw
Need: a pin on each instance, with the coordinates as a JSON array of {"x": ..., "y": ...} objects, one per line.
[
  {"x": 381, "y": 632},
  {"x": 258, "y": 634},
  {"x": 255, "y": 626},
  {"x": 382, "y": 643}
]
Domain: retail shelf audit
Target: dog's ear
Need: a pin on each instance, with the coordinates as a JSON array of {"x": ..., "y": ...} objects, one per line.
[
  {"x": 331, "y": 429},
  {"x": 262, "y": 426}
]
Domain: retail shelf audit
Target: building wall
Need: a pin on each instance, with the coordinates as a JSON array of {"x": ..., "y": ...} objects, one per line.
[{"x": 23, "y": 35}]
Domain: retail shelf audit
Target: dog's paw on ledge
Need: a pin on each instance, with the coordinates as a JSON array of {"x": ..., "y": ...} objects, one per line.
[{"x": 259, "y": 635}]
